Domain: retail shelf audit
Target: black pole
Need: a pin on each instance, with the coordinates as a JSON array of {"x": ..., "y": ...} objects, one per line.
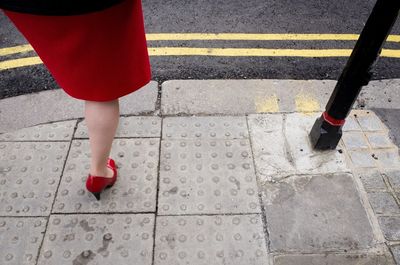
[{"x": 327, "y": 130}]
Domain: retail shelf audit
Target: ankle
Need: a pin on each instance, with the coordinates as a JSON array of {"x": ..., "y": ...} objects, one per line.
[{"x": 101, "y": 172}]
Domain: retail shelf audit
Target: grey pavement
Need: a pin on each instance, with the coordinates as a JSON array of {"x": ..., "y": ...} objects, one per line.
[{"x": 210, "y": 172}]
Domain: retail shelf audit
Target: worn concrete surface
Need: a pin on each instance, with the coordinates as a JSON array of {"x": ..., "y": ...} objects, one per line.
[{"x": 190, "y": 191}]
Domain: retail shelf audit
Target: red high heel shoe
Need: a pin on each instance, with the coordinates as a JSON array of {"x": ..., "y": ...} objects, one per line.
[{"x": 96, "y": 184}]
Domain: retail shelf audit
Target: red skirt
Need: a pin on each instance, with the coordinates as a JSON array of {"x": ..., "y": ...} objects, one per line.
[{"x": 99, "y": 56}]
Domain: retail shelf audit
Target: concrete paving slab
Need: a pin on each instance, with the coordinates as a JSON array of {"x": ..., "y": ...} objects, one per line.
[
  {"x": 134, "y": 191},
  {"x": 307, "y": 160},
  {"x": 334, "y": 259},
  {"x": 351, "y": 124},
  {"x": 387, "y": 158},
  {"x": 21, "y": 239},
  {"x": 29, "y": 176},
  {"x": 394, "y": 179},
  {"x": 390, "y": 226},
  {"x": 270, "y": 146},
  {"x": 379, "y": 141},
  {"x": 98, "y": 239},
  {"x": 369, "y": 121},
  {"x": 207, "y": 176},
  {"x": 383, "y": 203},
  {"x": 282, "y": 147},
  {"x": 243, "y": 96},
  {"x": 227, "y": 127},
  {"x": 195, "y": 240},
  {"x": 396, "y": 253},
  {"x": 380, "y": 93},
  {"x": 57, "y": 131},
  {"x": 372, "y": 180},
  {"x": 355, "y": 140},
  {"x": 391, "y": 118},
  {"x": 316, "y": 213},
  {"x": 135, "y": 126},
  {"x": 55, "y": 105},
  {"x": 361, "y": 159},
  {"x": 142, "y": 101}
]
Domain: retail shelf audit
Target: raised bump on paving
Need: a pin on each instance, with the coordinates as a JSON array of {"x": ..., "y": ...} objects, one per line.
[
  {"x": 135, "y": 189},
  {"x": 227, "y": 127},
  {"x": 29, "y": 175},
  {"x": 144, "y": 126},
  {"x": 57, "y": 131},
  {"x": 98, "y": 239},
  {"x": 233, "y": 239},
  {"x": 207, "y": 176},
  {"x": 21, "y": 239}
]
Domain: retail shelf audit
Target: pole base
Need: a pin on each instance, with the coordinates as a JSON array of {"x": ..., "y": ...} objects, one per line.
[{"x": 324, "y": 134}]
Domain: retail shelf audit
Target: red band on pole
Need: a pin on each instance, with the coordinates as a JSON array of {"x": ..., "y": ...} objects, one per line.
[{"x": 332, "y": 121}]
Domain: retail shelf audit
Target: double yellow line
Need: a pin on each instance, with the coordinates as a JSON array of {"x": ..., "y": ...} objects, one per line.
[{"x": 233, "y": 52}]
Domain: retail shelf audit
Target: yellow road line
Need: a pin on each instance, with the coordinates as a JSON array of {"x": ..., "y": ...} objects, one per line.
[
  {"x": 256, "y": 36},
  {"x": 16, "y": 49},
  {"x": 225, "y": 36},
  {"x": 243, "y": 52},
  {"x": 224, "y": 52},
  {"x": 10, "y": 64}
]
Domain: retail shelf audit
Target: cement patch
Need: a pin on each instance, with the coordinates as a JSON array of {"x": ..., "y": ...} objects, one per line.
[{"x": 316, "y": 213}]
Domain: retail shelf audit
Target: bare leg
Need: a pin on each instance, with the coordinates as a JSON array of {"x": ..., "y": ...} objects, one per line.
[{"x": 102, "y": 120}]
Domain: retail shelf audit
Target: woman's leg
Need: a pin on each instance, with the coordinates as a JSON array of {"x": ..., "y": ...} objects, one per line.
[{"x": 102, "y": 120}]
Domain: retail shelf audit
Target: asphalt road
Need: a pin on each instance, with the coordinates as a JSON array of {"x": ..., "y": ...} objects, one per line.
[{"x": 234, "y": 16}]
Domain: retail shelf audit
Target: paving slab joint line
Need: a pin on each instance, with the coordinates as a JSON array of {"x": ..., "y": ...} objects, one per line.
[
  {"x": 210, "y": 214},
  {"x": 378, "y": 249},
  {"x": 263, "y": 212},
  {"x": 379, "y": 238},
  {"x": 390, "y": 188},
  {"x": 158, "y": 101},
  {"x": 56, "y": 192},
  {"x": 158, "y": 185},
  {"x": 393, "y": 243},
  {"x": 100, "y": 213},
  {"x": 63, "y": 167}
]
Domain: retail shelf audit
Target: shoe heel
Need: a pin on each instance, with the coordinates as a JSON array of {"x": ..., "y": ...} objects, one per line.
[{"x": 97, "y": 195}]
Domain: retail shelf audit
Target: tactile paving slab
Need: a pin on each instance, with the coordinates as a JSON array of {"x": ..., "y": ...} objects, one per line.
[
  {"x": 195, "y": 240},
  {"x": 29, "y": 175},
  {"x": 58, "y": 131},
  {"x": 207, "y": 176},
  {"x": 282, "y": 147},
  {"x": 20, "y": 239},
  {"x": 134, "y": 126},
  {"x": 227, "y": 127},
  {"x": 135, "y": 189},
  {"x": 98, "y": 239}
]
